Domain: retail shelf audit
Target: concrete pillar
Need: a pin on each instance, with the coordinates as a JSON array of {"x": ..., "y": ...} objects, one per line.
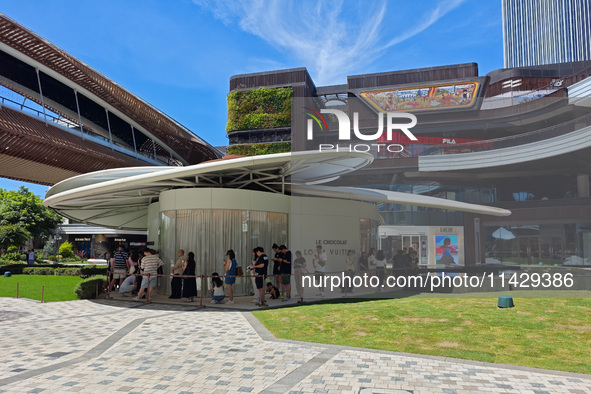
[{"x": 583, "y": 185}]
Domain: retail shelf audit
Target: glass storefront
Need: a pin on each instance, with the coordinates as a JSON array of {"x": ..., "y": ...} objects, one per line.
[
  {"x": 209, "y": 233},
  {"x": 544, "y": 244}
]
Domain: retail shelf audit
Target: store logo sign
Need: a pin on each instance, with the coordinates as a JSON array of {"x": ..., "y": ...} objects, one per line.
[{"x": 345, "y": 124}]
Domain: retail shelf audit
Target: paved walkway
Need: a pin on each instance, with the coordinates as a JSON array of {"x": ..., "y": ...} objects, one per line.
[{"x": 117, "y": 346}]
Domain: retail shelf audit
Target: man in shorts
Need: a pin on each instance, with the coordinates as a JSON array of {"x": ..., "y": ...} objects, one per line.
[
  {"x": 260, "y": 267},
  {"x": 120, "y": 267},
  {"x": 286, "y": 271},
  {"x": 150, "y": 264}
]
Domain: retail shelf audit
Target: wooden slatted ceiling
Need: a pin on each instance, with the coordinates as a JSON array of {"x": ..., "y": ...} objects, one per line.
[
  {"x": 164, "y": 128},
  {"x": 30, "y": 139}
]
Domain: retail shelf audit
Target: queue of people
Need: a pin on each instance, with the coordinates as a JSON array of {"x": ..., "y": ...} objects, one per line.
[{"x": 130, "y": 272}]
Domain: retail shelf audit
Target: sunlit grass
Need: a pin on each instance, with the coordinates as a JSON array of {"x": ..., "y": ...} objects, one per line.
[
  {"x": 552, "y": 333},
  {"x": 57, "y": 288}
]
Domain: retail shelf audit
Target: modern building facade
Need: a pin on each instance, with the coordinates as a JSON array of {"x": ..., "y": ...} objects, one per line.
[
  {"x": 517, "y": 138},
  {"x": 537, "y": 32},
  {"x": 60, "y": 118}
]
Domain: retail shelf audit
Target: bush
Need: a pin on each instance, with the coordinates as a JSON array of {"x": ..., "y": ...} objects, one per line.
[
  {"x": 40, "y": 256},
  {"x": 51, "y": 257},
  {"x": 38, "y": 271},
  {"x": 91, "y": 270},
  {"x": 49, "y": 248},
  {"x": 87, "y": 288},
  {"x": 12, "y": 249},
  {"x": 14, "y": 256},
  {"x": 66, "y": 250}
]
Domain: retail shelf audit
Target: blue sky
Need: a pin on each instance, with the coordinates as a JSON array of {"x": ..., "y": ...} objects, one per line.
[{"x": 178, "y": 55}]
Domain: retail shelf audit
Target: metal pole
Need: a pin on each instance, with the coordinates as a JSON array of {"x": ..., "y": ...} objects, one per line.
[
  {"x": 41, "y": 94},
  {"x": 148, "y": 300},
  {"x": 201, "y": 297},
  {"x": 154, "y": 146},
  {"x": 79, "y": 116},
  {"x": 17, "y": 290},
  {"x": 109, "y": 280},
  {"x": 42, "y": 291},
  {"x": 109, "y": 126},
  {"x": 133, "y": 136}
]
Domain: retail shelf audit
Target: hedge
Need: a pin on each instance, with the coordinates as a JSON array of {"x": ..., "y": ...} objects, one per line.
[
  {"x": 64, "y": 270},
  {"x": 259, "y": 149},
  {"x": 263, "y": 108},
  {"x": 87, "y": 288}
]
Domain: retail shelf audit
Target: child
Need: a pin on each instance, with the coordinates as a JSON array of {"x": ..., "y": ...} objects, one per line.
[
  {"x": 274, "y": 291},
  {"x": 217, "y": 289}
]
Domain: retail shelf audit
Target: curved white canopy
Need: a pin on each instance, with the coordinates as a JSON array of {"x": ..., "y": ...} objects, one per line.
[{"x": 120, "y": 198}]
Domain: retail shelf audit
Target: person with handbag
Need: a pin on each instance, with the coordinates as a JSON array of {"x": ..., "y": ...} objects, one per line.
[{"x": 230, "y": 266}]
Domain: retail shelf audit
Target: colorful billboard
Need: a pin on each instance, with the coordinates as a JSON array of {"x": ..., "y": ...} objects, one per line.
[
  {"x": 446, "y": 250},
  {"x": 430, "y": 97}
]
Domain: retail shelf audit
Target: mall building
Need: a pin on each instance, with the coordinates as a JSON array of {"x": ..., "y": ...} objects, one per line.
[{"x": 515, "y": 138}]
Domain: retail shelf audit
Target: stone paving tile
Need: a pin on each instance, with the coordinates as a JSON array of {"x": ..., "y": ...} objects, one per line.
[{"x": 186, "y": 350}]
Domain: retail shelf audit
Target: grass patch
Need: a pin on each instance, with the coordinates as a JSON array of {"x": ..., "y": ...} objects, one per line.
[
  {"x": 57, "y": 288},
  {"x": 552, "y": 333}
]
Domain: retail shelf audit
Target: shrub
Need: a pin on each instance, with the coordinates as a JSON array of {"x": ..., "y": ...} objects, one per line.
[
  {"x": 49, "y": 248},
  {"x": 38, "y": 271},
  {"x": 66, "y": 250},
  {"x": 87, "y": 288},
  {"x": 40, "y": 256},
  {"x": 51, "y": 257},
  {"x": 90, "y": 270},
  {"x": 12, "y": 249},
  {"x": 14, "y": 256}
]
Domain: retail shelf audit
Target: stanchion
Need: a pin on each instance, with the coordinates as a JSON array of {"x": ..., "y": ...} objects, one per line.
[
  {"x": 109, "y": 280},
  {"x": 17, "y": 290},
  {"x": 42, "y": 291},
  {"x": 148, "y": 295},
  {"x": 96, "y": 296},
  {"x": 201, "y": 296}
]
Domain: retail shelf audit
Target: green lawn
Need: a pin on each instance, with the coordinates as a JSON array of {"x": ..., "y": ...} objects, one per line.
[
  {"x": 57, "y": 288},
  {"x": 552, "y": 333}
]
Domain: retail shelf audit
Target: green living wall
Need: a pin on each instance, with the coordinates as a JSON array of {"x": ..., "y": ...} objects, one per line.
[
  {"x": 263, "y": 108},
  {"x": 259, "y": 149}
]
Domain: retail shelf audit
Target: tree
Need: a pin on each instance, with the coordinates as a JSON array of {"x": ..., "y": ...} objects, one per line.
[
  {"x": 12, "y": 235},
  {"x": 24, "y": 209}
]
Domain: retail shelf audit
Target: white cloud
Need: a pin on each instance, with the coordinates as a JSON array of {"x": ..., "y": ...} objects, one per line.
[{"x": 332, "y": 39}]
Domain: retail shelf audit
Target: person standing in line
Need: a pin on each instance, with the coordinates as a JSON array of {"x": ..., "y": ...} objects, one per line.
[
  {"x": 120, "y": 268},
  {"x": 189, "y": 284},
  {"x": 299, "y": 264},
  {"x": 230, "y": 265},
  {"x": 363, "y": 264},
  {"x": 150, "y": 264},
  {"x": 286, "y": 271},
  {"x": 31, "y": 257},
  {"x": 176, "y": 284},
  {"x": 134, "y": 260},
  {"x": 380, "y": 263},
  {"x": 319, "y": 263},
  {"x": 261, "y": 270},
  {"x": 277, "y": 269},
  {"x": 252, "y": 274},
  {"x": 371, "y": 261},
  {"x": 350, "y": 265}
]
